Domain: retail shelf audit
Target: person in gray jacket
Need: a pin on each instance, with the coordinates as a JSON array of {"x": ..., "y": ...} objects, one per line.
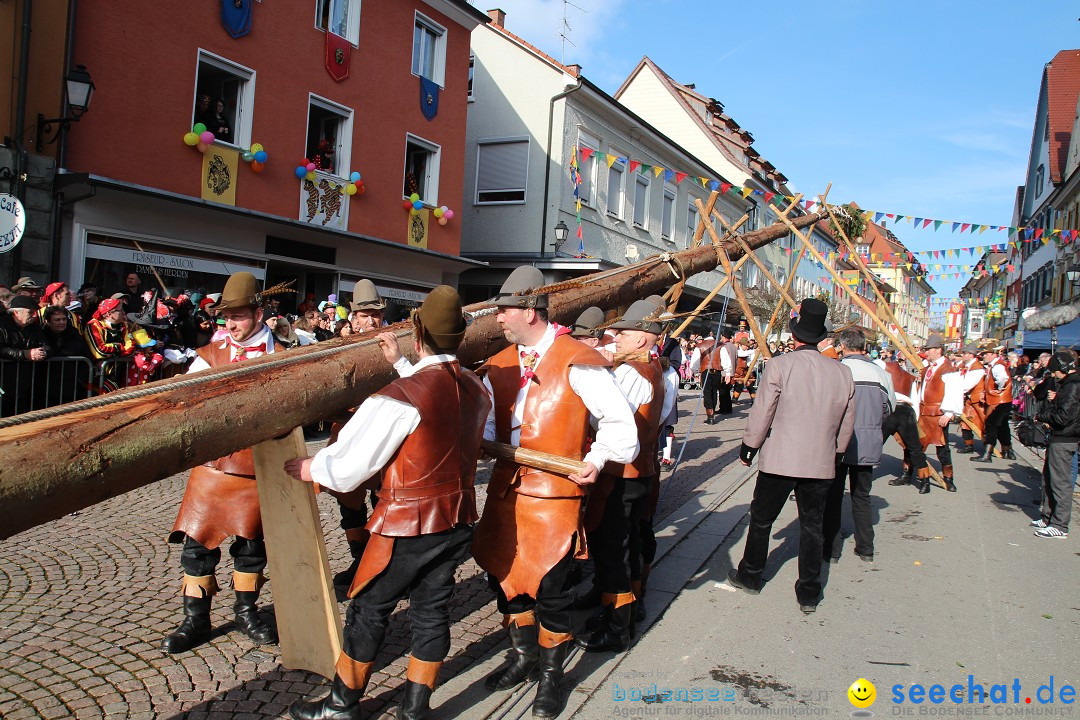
[
  {"x": 874, "y": 402},
  {"x": 802, "y": 418}
]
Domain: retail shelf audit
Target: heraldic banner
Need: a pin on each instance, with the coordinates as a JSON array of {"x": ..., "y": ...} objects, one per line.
[
  {"x": 219, "y": 175},
  {"x": 418, "y": 228}
]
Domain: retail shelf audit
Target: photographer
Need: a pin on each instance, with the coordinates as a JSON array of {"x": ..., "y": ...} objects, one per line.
[{"x": 1063, "y": 417}]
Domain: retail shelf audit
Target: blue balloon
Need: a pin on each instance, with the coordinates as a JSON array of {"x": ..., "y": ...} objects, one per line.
[
  {"x": 261, "y": 156},
  {"x": 418, "y": 205},
  {"x": 301, "y": 171},
  {"x": 355, "y": 176}
]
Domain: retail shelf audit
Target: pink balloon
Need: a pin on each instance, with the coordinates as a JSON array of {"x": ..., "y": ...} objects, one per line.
[
  {"x": 310, "y": 167},
  {"x": 448, "y": 214},
  {"x": 207, "y": 137}
]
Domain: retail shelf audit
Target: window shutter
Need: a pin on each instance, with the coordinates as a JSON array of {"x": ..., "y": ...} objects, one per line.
[{"x": 503, "y": 166}]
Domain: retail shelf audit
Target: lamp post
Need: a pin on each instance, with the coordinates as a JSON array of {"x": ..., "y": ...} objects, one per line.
[
  {"x": 79, "y": 89},
  {"x": 561, "y": 233}
]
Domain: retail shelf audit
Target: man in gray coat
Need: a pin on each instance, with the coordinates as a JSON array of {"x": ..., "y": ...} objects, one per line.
[
  {"x": 874, "y": 402},
  {"x": 801, "y": 421}
]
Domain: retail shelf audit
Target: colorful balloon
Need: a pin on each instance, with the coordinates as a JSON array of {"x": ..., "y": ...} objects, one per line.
[
  {"x": 206, "y": 136},
  {"x": 442, "y": 220},
  {"x": 191, "y": 139},
  {"x": 247, "y": 157},
  {"x": 261, "y": 155},
  {"x": 301, "y": 171},
  {"x": 360, "y": 188},
  {"x": 437, "y": 212},
  {"x": 414, "y": 197},
  {"x": 203, "y": 147},
  {"x": 407, "y": 204},
  {"x": 350, "y": 189},
  {"x": 198, "y": 128},
  {"x": 309, "y": 175},
  {"x": 256, "y": 147},
  {"x": 449, "y": 214},
  {"x": 355, "y": 176},
  {"x": 417, "y": 205},
  {"x": 257, "y": 166},
  {"x": 310, "y": 167}
]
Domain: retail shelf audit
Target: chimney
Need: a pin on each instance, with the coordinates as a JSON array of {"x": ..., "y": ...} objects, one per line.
[
  {"x": 574, "y": 69},
  {"x": 498, "y": 17}
]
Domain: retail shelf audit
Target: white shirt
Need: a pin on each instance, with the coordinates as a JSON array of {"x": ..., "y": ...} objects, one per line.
[
  {"x": 263, "y": 335},
  {"x": 971, "y": 378},
  {"x": 953, "y": 400},
  {"x": 727, "y": 365},
  {"x": 695, "y": 361},
  {"x": 635, "y": 388},
  {"x": 1000, "y": 375},
  {"x": 370, "y": 438},
  {"x": 671, "y": 393},
  {"x": 616, "y": 433}
]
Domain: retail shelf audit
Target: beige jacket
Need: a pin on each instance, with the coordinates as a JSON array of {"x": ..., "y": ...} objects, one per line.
[{"x": 803, "y": 415}]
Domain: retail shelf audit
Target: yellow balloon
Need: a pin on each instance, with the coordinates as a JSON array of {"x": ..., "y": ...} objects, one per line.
[
  {"x": 310, "y": 175},
  {"x": 256, "y": 147},
  {"x": 350, "y": 189}
]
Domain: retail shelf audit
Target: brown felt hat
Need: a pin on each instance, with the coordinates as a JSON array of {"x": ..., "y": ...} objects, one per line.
[
  {"x": 441, "y": 318},
  {"x": 241, "y": 290},
  {"x": 588, "y": 324},
  {"x": 936, "y": 340},
  {"x": 517, "y": 291},
  {"x": 366, "y": 297},
  {"x": 641, "y": 315}
]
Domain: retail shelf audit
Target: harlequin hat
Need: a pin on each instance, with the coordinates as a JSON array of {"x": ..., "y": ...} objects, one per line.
[
  {"x": 587, "y": 324},
  {"x": 641, "y": 315},
  {"x": 517, "y": 290},
  {"x": 441, "y": 320},
  {"x": 366, "y": 297}
]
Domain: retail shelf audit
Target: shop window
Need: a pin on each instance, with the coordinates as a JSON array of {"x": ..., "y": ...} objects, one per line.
[
  {"x": 641, "y": 201},
  {"x": 224, "y": 97},
  {"x": 421, "y": 170},
  {"x": 502, "y": 169},
  {"x": 329, "y": 133},
  {"x": 429, "y": 50},
  {"x": 667, "y": 213},
  {"x": 341, "y": 17}
]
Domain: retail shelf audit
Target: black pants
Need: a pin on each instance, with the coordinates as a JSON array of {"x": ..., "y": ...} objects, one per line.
[
  {"x": 944, "y": 455},
  {"x": 770, "y": 494},
  {"x": 997, "y": 427},
  {"x": 861, "y": 479},
  {"x": 902, "y": 421},
  {"x": 615, "y": 544},
  {"x": 552, "y": 602},
  {"x": 422, "y": 569},
  {"x": 711, "y": 380},
  {"x": 249, "y": 556},
  {"x": 1057, "y": 478}
]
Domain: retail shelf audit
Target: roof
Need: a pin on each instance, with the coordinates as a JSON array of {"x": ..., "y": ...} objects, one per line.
[
  {"x": 1062, "y": 88},
  {"x": 573, "y": 70}
]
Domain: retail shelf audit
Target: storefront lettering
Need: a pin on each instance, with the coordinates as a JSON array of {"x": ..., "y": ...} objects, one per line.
[
  {"x": 12, "y": 222},
  {"x": 168, "y": 261},
  {"x": 161, "y": 270}
]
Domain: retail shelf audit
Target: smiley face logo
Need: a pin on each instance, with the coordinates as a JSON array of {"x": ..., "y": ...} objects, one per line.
[{"x": 862, "y": 693}]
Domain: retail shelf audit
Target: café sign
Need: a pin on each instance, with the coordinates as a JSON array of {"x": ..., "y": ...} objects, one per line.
[{"x": 12, "y": 222}]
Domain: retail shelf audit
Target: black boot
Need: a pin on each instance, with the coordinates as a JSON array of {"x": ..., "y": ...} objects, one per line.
[
  {"x": 924, "y": 484},
  {"x": 194, "y": 631},
  {"x": 1007, "y": 453},
  {"x": 523, "y": 665},
  {"x": 549, "y": 701},
  {"x": 965, "y": 449},
  {"x": 343, "y": 703},
  {"x": 639, "y": 587},
  {"x": 987, "y": 455},
  {"x": 904, "y": 477},
  {"x": 613, "y": 634},
  {"x": 247, "y": 619},
  {"x": 415, "y": 702}
]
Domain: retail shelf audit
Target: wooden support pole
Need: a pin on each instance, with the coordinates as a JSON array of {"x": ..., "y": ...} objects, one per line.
[
  {"x": 699, "y": 232},
  {"x": 533, "y": 458},
  {"x": 776, "y": 311},
  {"x": 708, "y": 298}
]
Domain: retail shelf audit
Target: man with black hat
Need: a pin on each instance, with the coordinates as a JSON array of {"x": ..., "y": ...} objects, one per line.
[
  {"x": 940, "y": 399},
  {"x": 419, "y": 437},
  {"x": 972, "y": 375},
  {"x": 221, "y": 498},
  {"x": 628, "y": 486},
  {"x": 801, "y": 421},
  {"x": 546, "y": 387},
  {"x": 998, "y": 395}
]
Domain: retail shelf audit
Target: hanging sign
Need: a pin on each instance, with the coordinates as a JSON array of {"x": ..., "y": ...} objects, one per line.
[{"x": 12, "y": 222}]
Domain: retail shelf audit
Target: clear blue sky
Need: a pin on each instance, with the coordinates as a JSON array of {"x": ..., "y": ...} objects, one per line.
[{"x": 922, "y": 109}]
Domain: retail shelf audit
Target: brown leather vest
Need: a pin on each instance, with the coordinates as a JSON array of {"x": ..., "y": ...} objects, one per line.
[
  {"x": 427, "y": 487},
  {"x": 993, "y": 395},
  {"x": 934, "y": 389},
  {"x": 241, "y": 462},
  {"x": 902, "y": 380},
  {"x": 555, "y": 420},
  {"x": 977, "y": 394},
  {"x": 647, "y": 419}
]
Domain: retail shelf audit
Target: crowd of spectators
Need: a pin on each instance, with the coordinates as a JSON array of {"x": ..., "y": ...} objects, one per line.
[{"x": 58, "y": 346}]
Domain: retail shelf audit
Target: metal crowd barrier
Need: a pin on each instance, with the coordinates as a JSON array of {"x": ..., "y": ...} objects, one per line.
[
  {"x": 27, "y": 385},
  {"x": 113, "y": 373}
]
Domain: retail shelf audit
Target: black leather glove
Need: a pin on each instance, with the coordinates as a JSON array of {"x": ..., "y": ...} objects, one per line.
[{"x": 747, "y": 453}]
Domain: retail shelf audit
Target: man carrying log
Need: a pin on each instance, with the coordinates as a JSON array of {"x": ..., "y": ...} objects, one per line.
[
  {"x": 940, "y": 399},
  {"x": 973, "y": 375},
  {"x": 545, "y": 388},
  {"x": 998, "y": 393},
  {"x": 904, "y": 422},
  {"x": 421, "y": 434},
  {"x": 615, "y": 544},
  {"x": 221, "y": 498}
]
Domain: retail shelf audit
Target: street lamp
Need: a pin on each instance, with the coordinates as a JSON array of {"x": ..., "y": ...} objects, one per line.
[
  {"x": 561, "y": 233},
  {"x": 1073, "y": 273},
  {"x": 79, "y": 89}
]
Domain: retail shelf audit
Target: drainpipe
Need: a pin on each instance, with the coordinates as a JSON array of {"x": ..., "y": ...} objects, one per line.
[
  {"x": 21, "y": 159},
  {"x": 61, "y": 151},
  {"x": 547, "y": 175}
]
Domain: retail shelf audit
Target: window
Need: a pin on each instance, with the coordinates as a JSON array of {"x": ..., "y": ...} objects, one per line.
[
  {"x": 668, "y": 212},
  {"x": 329, "y": 132},
  {"x": 691, "y": 224},
  {"x": 1040, "y": 172},
  {"x": 341, "y": 17},
  {"x": 472, "y": 76},
  {"x": 615, "y": 189},
  {"x": 502, "y": 169},
  {"x": 641, "y": 201},
  {"x": 587, "y": 168},
  {"x": 429, "y": 50},
  {"x": 421, "y": 170},
  {"x": 224, "y": 97}
]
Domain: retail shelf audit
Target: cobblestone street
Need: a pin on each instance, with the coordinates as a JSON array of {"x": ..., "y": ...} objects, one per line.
[{"x": 86, "y": 600}]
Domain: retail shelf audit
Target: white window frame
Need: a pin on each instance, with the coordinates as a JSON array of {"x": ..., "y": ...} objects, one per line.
[
  {"x": 245, "y": 106},
  {"x": 619, "y": 212},
  {"x": 431, "y": 196},
  {"x": 352, "y": 20},
  {"x": 670, "y": 194},
  {"x": 500, "y": 141},
  {"x": 471, "y": 96},
  {"x": 588, "y": 175},
  {"x": 343, "y": 151},
  {"x": 641, "y": 179},
  {"x": 439, "y": 65}
]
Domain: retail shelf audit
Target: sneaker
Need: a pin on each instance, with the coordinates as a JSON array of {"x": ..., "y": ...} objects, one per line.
[
  {"x": 1052, "y": 532},
  {"x": 1040, "y": 523}
]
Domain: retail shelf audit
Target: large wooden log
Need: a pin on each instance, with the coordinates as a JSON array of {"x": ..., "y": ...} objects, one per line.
[{"x": 87, "y": 452}]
